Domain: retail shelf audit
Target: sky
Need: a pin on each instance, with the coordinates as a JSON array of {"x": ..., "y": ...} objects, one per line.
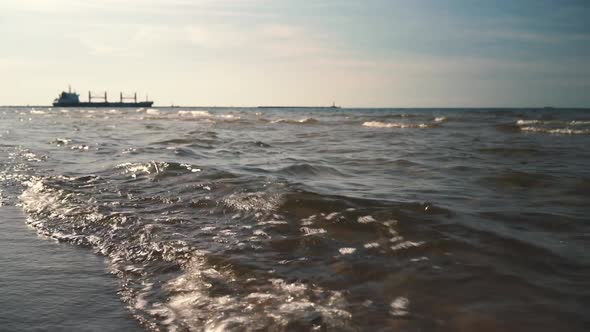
[{"x": 363, "y": 53}]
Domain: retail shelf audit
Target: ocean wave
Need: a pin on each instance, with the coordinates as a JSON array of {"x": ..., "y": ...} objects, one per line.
[
  {"x": 508, "y": 151},
  {"x": 195, "y": 113},
  {"x": 523, "y": 122},
  {"x": 518, "y": 179},
  {"x": 254, "y": 201},
  {"x": 386, "y": 116},
  {"x": 579, "y": 123},
  {"x": 528, "y": 122},
  {"x": 134, "y": 246},
  {"x": 403, "y": 125},
  {"x": 157, "y": 169},
  {"x": 556, "y": 131},
  {"x": 309, "y": 170},
  {"x": 276, "y": 304},
  {"x": 228, "y": 117},
  {"x": 182, "y": 269},
  {"x": 300, "y": 121}
]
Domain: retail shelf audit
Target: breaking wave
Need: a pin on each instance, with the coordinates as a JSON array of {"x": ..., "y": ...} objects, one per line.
[
  {"x": 194, "y": 113},
  {"x": 300, "y": 121},
  {"x": 225, "y": 271},
  {"x": 555, "y": 127},
  {"x": 556, "y": 131},
  {"x": 379, "y": 124}
]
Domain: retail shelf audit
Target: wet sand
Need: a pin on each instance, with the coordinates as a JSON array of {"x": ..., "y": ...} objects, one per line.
[{"x": 50, "y": 286}]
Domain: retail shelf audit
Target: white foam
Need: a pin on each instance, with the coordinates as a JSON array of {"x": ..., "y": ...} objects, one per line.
[
  {"x": 300, "y": 121},
  {"x": 228, "y": 116},
  {"x": 419, "y": 259},
  {"x": 194, "y": 113},
  {"x": 30, "y": 156},
  {"x": 312, "y": 231},
  {"x": 62, "y": 141},
  {"x": 272, "y": 222},
  {"x": 257, "y": 201},
  {"x": 527, "y": 122},
  {"x": 332, "y": 215},
  {"x": 309, "y": 220},
  {"x": 440, "y": 119},
  {"x": 395, "y": 236},
  {"x": 379, "y": 124},
  {"x": 140, "y": 301},
  {"x": 129, "y": 150},
  {"x": 190, "y": 168},
  {"x": 80, "y": 147},
  {"x": 193, "y": 307},
  {"x": 365, "y": 220},
  {"x": 38, "y": 198},
  {"x": 405, "y": 245},
  {"x": 146, "y": 168},
  {"x": 261, "y": 233},
  {"x": 557, "y": 131},
  {"x": 135, "y": 168},
  {"x": 523, "y": 122},
  {"x": 296, "y": 288},
  {"x": 260, "y": 296},
  {"x": 347, "y": 251},
  {"x": 399, "y": 307}
]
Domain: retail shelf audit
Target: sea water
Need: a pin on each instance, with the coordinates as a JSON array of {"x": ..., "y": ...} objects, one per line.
[{"x": 301, "y": 219}]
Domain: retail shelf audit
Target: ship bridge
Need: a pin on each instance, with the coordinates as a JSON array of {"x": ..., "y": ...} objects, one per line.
[{"x": 68, "y": 98}]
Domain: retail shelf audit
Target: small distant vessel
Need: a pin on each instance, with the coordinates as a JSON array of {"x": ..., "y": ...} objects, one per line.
[
  {"x": 72, "y": 99},
  {"x": 301, "y": 107}
]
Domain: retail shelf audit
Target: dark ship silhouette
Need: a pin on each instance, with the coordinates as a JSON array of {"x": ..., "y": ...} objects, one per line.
[{"x": 72, "y": 99}]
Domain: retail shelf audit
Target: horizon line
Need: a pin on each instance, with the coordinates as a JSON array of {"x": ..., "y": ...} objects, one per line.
[{"x": 329, "y": 107}]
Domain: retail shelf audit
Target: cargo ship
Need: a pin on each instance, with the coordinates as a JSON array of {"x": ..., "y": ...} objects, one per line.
[{"x": 72, "y": 99}]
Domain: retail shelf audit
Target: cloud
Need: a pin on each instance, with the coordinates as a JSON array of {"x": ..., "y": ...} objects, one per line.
[
  {"x": 274, "y": 41},
  {"x": 57, "y": 6}
]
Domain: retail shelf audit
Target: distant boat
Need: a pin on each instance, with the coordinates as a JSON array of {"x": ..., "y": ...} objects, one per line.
[
  {"x": 72, "y": 99},
  {"x": 301, "y": 107}
]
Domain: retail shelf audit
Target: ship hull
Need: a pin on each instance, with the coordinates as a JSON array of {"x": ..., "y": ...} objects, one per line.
[{"x": 107, "y": 104}]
